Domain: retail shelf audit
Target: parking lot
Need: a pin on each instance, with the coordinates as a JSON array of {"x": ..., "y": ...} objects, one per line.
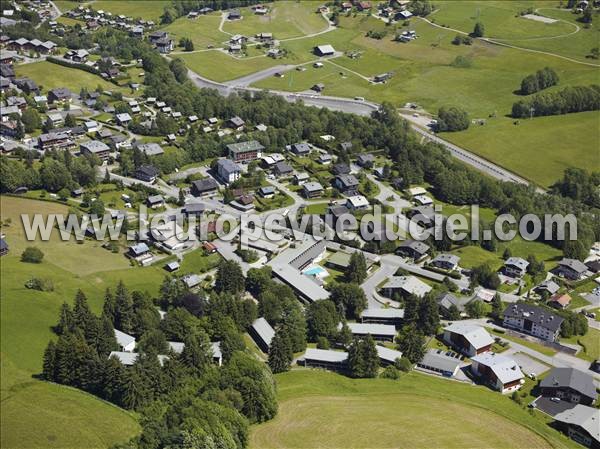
[{"x": 529, "y": 365}]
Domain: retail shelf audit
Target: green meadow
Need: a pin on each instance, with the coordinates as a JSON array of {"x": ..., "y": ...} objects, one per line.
[{"x": 326, "y": 410}]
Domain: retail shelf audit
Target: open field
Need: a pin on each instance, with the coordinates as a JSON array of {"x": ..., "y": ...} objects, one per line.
[
  {"x": 203, "y": 31},
  {"x": 325, "y": 410},
  {"x": 134, "y": 8},
  {"x": 49, "y": 76},
  {"x": 538, "y": 143},
  {"x": 66, "y": 5},
  {"x": 566, "y": 37},
  {"x": 285, "y": 20}
]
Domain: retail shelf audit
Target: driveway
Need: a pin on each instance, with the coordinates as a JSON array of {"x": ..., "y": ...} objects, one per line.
[{"x": 550, "y": 407}]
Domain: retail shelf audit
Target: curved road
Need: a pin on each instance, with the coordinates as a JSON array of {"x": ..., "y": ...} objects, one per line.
[{"x": 366, "y": 108}]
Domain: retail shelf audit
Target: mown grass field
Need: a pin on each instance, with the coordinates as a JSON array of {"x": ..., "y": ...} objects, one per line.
[
  {"x": 285, "y": 20},
  {"x": 325, "y": 410},
  {"x": 590, "y": 342},
  {"x": 49, "y": 76}
]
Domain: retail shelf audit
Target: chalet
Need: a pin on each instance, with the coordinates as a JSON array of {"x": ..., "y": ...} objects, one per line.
[
  {"x": 515, "y": 267},
  {"x": 55, "y": 141},
  {"x": 4, "y": 84},
  {"x": 571, "y": 269},
  {"x": 300, "y": 149},
  {"x": 324, "y": 50},
  {"x": 7, "y": 71},
  {"x": 325, "y": 159},
  {"x": 301, "y": 178},
  {"x": 389, "y": 316},
  {"x": 341, "y": 169},
  {"x": 146, "y": 173},
  {"x": 267, "y": 192},
  {"x": 560, "y": 300},
  {"x": 347, "y": 184},
  {"x": 264, "y": 37},
  {"x": 27, "y": 85},
  {"x": 569, "y": 384},
  {"x": 80, "y": 55},
  {"x": 9, "y": 110},
  {"x": 365, "y": 160},
  {"x": 157, "y": 35},
  {"x": 204, "y": 187},
  {"x": 235, "y": 123},
  {"x": 446, "y": 261},
  {"x": 413, "y": 249},
  {"x": 195, "y": 209},
  {"x": 548, "y": 287},
  {"x": 262, "y": 333},
  {"x": 139, "y": 251},
  {"x": 244, "y": 151},
  {"x": 582, "y": 424},
  {"x": 468, "y": 339},
  {"x": 423, "y": 200},
  {"x": 9, "y": 128},
  {"x": 155, "y": 201},
  {"x": 403, "y": 15},
  {"x": 59, "y": 95},
  {"x": 96, "y": 148},
  {"x": 40, "y": 100},
  {"x": 537, "y": 321},
  {"x": 91, "y": 126},
  {"x": 357, "y": 202},
  {"x": 404, "y": 286},
  {"x": 447, "y": 300},
  {"x": 228, "y": 171},
  {"x": 137, "y": 31},
  {"x": 238, "y": 39},
  {"x": 282, "y": 169},
  {"x": 499, "y": 372},
  {"x": 312, "y": 189},
  {"x": 150, "y": 149},
  {"x": 234, "y": 15},
  {"x": 172, "y": 266},
  {"x": 123, "y": 118},
  {"x": 363, "y": 6}
]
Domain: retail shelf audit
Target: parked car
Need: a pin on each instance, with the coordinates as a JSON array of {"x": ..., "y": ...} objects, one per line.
[{"x": 555, "y": 399}]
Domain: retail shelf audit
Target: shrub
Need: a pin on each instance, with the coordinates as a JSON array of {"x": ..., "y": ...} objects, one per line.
[
  {"x": 322, "y": 343},
  {"x": 43, "y": 285},
  {"x": 452, "y": 119},
  {"x": 32, "y": 255},
  {"x": 390, "y": 372}
]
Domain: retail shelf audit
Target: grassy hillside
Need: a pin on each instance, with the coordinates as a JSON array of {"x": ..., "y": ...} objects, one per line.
[
  {"x": 35, "y": 413},
  {"x": 325, "y": 410}
]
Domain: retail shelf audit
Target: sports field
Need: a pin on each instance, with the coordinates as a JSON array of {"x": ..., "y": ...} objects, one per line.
[{"x": 325, "y": 410}]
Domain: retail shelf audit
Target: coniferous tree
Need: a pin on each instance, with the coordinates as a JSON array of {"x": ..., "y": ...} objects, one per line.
[
  {"x": 109, "y": 306},
  {"x": 429, "y": 318},
  {"x": 49, "y": 366},
  {"x": 280, "y": 352},
  {"x": 344, "y": 336},
  {"x": 496, "y": 306},
  {"x": 294, "y": 326},
  {"x": 357, "y": 269},
  {"x": 230, "y": 278},
  {"x": 107, "y": 341},
  {"x": 65, "y": 321},
  {"x": 196, "y": 353},
  {"x": 123, "y": 309},
  {"x": 363, "y": 359},
  {"x": 411, "y": 343},
  {"x": 113, "y": 379}
]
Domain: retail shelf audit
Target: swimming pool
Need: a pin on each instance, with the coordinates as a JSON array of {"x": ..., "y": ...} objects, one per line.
[{"x": 315, "y": 270}]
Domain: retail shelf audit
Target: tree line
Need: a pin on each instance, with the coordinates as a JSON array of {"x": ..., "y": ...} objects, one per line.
[
  {"x": 541, "y": 80},
  {"x": 565, "y": 101}
]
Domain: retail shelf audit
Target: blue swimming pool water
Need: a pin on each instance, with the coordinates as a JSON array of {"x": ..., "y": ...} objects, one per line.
[{"x": 313, "y": 271}]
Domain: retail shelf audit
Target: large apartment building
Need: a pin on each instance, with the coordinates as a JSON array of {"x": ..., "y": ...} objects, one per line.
[{"x": 537, "y": 321}]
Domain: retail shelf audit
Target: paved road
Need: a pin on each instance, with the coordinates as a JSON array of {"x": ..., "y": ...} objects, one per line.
[{"x": 366, "y": 108}]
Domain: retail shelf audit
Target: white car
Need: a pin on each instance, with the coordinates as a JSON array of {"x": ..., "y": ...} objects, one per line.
[{"x": 555, "y": 399}]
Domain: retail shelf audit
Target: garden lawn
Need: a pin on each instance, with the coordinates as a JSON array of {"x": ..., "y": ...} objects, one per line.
[
  {"x": 219, "y": 66},
  {"x": 49, "y": 76},
  {"x": 590, "y": 343},
  {"x": 198, "y": 262},
  {"x": 326, "y": 410},
  {"x": 285, "y": 20},
  {"x": 524, "y": 342}
]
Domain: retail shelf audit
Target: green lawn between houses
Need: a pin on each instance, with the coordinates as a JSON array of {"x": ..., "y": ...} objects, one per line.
[
  {"x": 590, "y": 342},
  {"x": 147, "y": 10},
  {"x": 326, "y": 410}
]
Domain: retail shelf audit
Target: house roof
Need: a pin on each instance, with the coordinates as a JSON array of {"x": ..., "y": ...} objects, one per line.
[
  {"x": 587, "y": 418},
  {"x": 123, "y": 339},
  {"x": 373, "y": 329},
  {"x": 415, "y": 245},
  {"x": 94, "y": 146},
  {"x": 447, "y": 300},
  {"x": 312, "y": 186},
  {"x": 387, "y": 354},
  {"x": 244, "y": 147},
  {"x": 236, "y": 121},
  {"x": 347, "y": 180},
  {"x": 139, "y": 248},
  {"x": 124, "y": 117},
  {"x": 325, "y": 355},
  {"x": 205, "y": 185},
  {"x": 505, "y": 368},
  {"x": 410, "y": 284},
  {"x": 326, "y": 49},
  {"x": 176, "y": 346},
  {"x": 447, "y": 258},
  {"x": 228, "y": 166},
  {"x": 264, "y": 330},
  {"x": 571, "y": 378},
  {"x": 191, "y": 280},
  {"x": 574, "y": 265},
  {"x": 518, "y": 262},
  {"x": 436, "y": 358},
  {"x": 549, "y": 285},
  {"x": 126, "y": 358},
  {"x": 147, "y": 170},
  {"x": 477, "y": 336},
  {"x": 541, "y": 316},
  {"x": 564, "y": 299},
  {"x": 283, "y": 167},
  {"x": 151, "y": 149},
  {"x": 358, "y": 201},
  {"x": 155, "y": 199},
  {"x": 389, "y": 313}
]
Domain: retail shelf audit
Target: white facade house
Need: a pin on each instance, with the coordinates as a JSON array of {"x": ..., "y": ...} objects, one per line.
[{"x": 499, "y": 372}]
